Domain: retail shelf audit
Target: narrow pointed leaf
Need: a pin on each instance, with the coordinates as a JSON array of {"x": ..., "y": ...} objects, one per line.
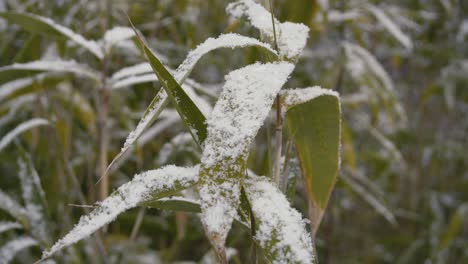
[
  {"x": 45, "y": 26},
  {"x": 242, "y": 107},
  {"x": 25, "y": 126},
  {"x": 13, "y": 247},
  {"x": 33, "y": 197},
  {"x": 175, "y": 204},
  {"x": 10, "y": 206},
  {"x": 144, "y": 187},
  {"x": 22, "y": 70},
  {"x": 136, "y": 74},
  {"x": 313, "y": 119},
  {"x": 6, "y": 226},
  {"x": 281, "y": 232}
]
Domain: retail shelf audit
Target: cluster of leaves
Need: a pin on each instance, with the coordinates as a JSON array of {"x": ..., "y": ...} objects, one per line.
[{"x": 403, "y": 138}]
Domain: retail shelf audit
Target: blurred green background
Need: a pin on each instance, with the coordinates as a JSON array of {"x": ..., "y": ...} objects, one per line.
[{"x": 401, "y": 68}]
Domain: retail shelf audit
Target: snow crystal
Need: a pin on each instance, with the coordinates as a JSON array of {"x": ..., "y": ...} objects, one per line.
[
  {"x": 21, "y": 128},
  {"x": 291, "y": 37},
  {"x": 145, "y": 186},
  {"x": 5, "y": 226},
  {"x": 11, "y": 248},
  {"x": 294, "y": 97},
  {"x": 240, "y": 111},
  {"x": 281, "y": 229}
]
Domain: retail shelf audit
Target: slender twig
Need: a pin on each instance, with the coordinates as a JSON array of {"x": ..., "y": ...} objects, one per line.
[
  {"x": 279, "y": 117},
  {"x": 284, "y": 180}
]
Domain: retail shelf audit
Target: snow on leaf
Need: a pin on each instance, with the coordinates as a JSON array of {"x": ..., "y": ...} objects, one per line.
[
  {"x": 7, "y": 204},
  {"x": 33, "y": 197},
  {"x": 133, "y": 75},
  {"x": 367, "y": 71},
  {"x": 145, "y": 186},
  {"x": 19, "y": 70},
  {"x": 291, "y": 37},
  {"x": 46, "y": 26},
  {"x": 294, "y": 97},
  {"x": 13, "y": 247},
  {"x": 5, "y": 226},
  {"x": 281, "y": 231},
  {"x": 10, "y": 88},
  {"x": 391, "y": 26},
  {"x": 5, "y": 140},
  {"x": 117, "y": 34},
  {"x": 240, "y": 111}
]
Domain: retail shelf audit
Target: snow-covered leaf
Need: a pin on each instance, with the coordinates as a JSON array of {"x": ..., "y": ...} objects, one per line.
[
  {"x": 117, "y": 34},
  {"x": 27, "y": 125},
  {"x": 391, "y": 26},
  {"x": 242, "y": 107},
  {"x": 46, "y": 26},
  {"x": 280, "y": 231},
  {"x": 10, "y": 206},
  {"x": 13, "y": 247},
  {"x": 175, "y": 204},
  {"x": 144, "y": 187},
  {"x": 6, "y": 226},
  {"x": 27, "y": 85},
  {"x": 291, "y": 37},
  {"x": 136, "y": 74},
  {"x": 33, "y": 197},
  {"x": 21, "y": 70},
  {"x": 365, "y": 69},
  {"x": 313, "y": 119}
]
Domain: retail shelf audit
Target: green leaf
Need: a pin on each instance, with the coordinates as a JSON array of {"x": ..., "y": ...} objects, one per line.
[
  {"x": 191, "y": 115},
  {"x": 45, "y": 26},
  {"x": 35, "y": 84},
  {"x": 9, "y": 250},
  {"x": 313, "y": 119},
  {"x": 144, "y": 187}
]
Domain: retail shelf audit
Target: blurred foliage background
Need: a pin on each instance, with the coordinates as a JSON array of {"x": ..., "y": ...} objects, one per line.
[{"x": 400, "y": 66}]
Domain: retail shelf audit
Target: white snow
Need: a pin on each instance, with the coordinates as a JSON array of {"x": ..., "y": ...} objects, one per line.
[
  {"x": 240, "y": 111},
  {"x": 33, "y": 197},
  {"x": 291, "y": 37},
  {"x": 294, "y": 97},
  {"x": 134, "y": 70},
  {"x": 5, "y": 140},
  {"x": 5, "y": 226},
  {"x": 281, "y": 231},
  {"x": 90, "y": 45},
  {"x": 10, "y": 88},
  {"x": 54, "y": 66},
  {"x": 116, "y": 35},
  {"x": 391, "y": 26},
  {"x": 11, "y": 248},
  {"x": 145, "y": 186}
]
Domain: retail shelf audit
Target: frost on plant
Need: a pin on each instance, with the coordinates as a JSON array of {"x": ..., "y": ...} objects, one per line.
[
  {"x": 146, "y": 186},
  {"x": 240, "y": 111},
  {"x": 281, "y": 231},
  {"x": 291, "y": 37}
]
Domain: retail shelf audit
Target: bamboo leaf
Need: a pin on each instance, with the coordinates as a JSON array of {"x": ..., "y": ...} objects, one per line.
[
  {"x": 147, "y": 186},
  {"x": 45, "y": 26},
  {"x": 8, "y": 138},
  {"x": 291, "y": 38},
  {"x": 314, "y": 122},
  {"x": 6, "y": 226},
  {"x": 22, "y": 70},
  {"x": 175, "y": 204},
  {"x": 13, "y": 247},
  {"x": 136, "y": 74},
  {"x": 10, "y": 206},
  {"x": 240, "y": 111},
  {"x": 281, "y": 231},
  {"x": 33, "y": 197}
]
